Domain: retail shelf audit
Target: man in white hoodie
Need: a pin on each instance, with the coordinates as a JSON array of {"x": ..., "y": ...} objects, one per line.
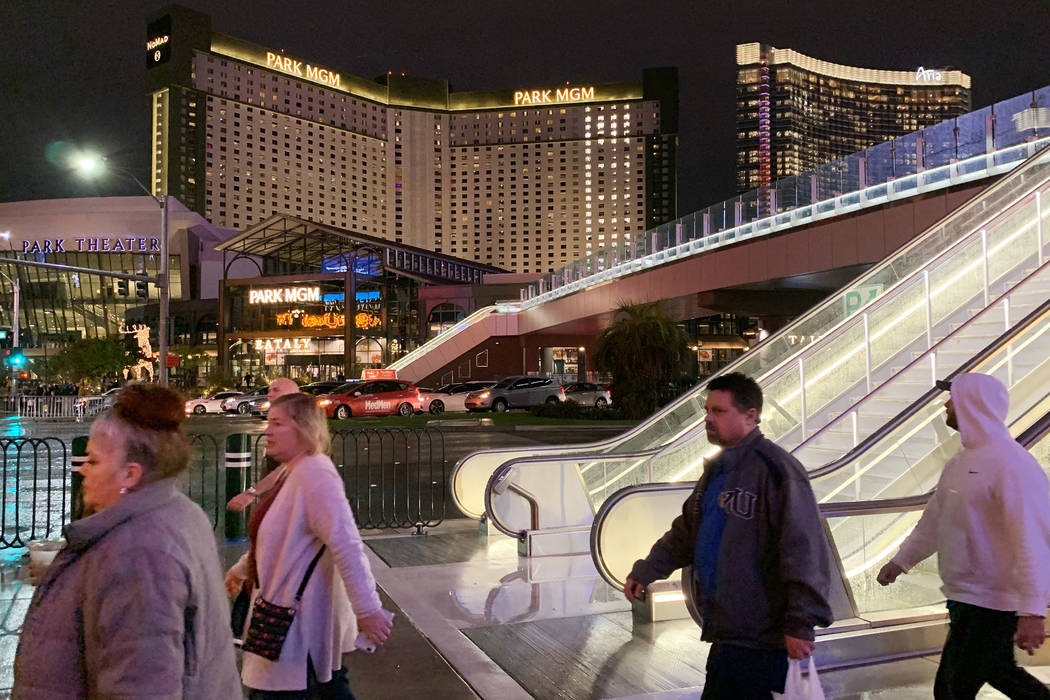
[{"x": 989, "y": 523}]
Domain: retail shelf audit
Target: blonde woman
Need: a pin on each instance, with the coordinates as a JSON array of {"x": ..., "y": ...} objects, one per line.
[
  {"x": 306, "y": 510},
  {"x": 133, "y": 606}
]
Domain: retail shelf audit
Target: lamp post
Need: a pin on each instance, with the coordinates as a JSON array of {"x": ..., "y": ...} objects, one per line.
[
  {"x": 16, "y": 340},
  {"x": 89, "y": 165}
]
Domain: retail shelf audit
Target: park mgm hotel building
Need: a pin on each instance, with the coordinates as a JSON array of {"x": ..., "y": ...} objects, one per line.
[
  {"x": 526, "y": 179},
  {"x": 795, "y": 113}
]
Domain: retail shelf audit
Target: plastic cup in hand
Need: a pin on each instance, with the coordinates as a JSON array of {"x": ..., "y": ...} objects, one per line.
[{"x": 43, "y": 552}]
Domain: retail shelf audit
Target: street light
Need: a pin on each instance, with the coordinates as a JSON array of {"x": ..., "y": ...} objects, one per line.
[
  {"x": 89, "y": 165},
  {"x": 16, "y": 340}
]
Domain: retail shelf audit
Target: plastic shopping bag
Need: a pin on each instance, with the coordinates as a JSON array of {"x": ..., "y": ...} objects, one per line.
[{"x": 799, "y": 687}]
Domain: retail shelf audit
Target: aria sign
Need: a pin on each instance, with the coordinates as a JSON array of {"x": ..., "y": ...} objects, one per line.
[
  {"x": 928, "y": 75},
  {"x": 554, "y": 95},
  {"x": 284, "y": 295}
]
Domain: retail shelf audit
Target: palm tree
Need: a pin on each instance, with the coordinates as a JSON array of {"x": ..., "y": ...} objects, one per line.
[{"x": 644, "y": 351}]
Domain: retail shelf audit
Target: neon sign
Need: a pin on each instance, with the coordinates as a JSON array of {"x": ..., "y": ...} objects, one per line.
[
  {"x": 282, "y": 344},
  {"x": 332, "y": 320},
  {"x": 928, "y": 74},
  {"x": 303, "y": 70},
  {"x": 554, "y": 95},
  {"x": 281, "y": 295}
]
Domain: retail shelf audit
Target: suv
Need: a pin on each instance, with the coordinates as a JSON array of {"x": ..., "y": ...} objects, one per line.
[
  {"x": 515, "y": 392},
  {"x": 382, "y": 397}
]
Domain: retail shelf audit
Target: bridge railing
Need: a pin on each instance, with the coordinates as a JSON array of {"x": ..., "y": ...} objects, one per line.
[{"x": 985, "y": 142}]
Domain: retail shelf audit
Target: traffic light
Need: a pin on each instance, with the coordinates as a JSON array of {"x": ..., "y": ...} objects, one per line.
[
  {"x": 13, "y": 357},
  {"x": 122, "y": 287},
  {"x": 142, "y": 289}
]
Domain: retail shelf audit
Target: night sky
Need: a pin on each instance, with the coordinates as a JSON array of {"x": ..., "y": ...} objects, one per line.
[{"x": 75, "y": 71}]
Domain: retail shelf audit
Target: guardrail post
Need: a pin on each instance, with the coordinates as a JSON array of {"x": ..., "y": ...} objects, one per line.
[
  {"x": 238, "y": 467},
  {"x": 76, "y": 479}
]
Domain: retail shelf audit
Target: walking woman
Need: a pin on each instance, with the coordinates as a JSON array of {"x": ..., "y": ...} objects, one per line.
[
  {"x": 133, "y": 605},
  {"x": 303, "y": 538}
]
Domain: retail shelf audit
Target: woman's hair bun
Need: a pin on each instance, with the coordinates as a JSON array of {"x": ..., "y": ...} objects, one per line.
[{"x": 150, "y": 406}]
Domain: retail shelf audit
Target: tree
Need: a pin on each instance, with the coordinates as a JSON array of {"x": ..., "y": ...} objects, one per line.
[
  {"x": 91, "y": 359},
  {"x": 645, "y": 352}
]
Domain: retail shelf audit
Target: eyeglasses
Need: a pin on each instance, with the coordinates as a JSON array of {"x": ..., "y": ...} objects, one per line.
[{"x": 944, "y": 384}]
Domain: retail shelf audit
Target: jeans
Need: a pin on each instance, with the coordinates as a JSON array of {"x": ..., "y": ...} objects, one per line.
[
  {"x": 739, "y": 673},
  {"x": 336, "y": 689},
  {"x": 979, "y": 650}
]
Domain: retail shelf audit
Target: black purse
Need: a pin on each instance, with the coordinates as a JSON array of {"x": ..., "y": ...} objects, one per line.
[{"x": 270, "y": 623}]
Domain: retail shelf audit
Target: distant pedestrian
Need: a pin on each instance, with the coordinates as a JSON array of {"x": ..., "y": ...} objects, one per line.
[
  {"x": 248, "y": 380},
  {"x": 282, "y": 386},
  {"x": 989, "y": 523},
  {"x": 133, "y": 606},
  {"x": 761, "y": 563},
  {"x": 306, "y": 521}
]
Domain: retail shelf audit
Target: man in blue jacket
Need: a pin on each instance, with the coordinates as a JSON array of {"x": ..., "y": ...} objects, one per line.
[{"x": 752, "y": 532}]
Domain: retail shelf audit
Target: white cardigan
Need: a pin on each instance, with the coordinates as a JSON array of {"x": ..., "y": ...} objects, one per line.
[{"x": 310, "y": 510}]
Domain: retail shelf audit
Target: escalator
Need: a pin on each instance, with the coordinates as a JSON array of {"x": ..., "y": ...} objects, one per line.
[
  {"x": 872, "y": 623},
  {"x": 922, "y": 294}
]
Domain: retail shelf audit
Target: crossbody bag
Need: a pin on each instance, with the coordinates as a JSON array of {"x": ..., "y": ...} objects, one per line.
[{"x": 270, "y": 623}]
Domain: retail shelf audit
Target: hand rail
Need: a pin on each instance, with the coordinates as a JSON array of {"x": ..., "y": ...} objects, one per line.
[{"x": 1027, "y": 439}]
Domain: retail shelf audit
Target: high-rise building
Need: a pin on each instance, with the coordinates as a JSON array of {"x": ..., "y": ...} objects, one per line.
[
  {"x": 795, "y": 113},
  {"x": 527, "y": 178}
]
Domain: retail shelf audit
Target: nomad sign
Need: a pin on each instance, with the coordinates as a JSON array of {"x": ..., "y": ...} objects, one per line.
[
  {"x": 554, "y": 95},
  {"x": 283, "y": 295}
]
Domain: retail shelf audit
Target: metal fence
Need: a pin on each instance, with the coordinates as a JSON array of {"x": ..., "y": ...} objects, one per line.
[
  {"x": 34, "y": 501},
  {"x": 30, "y": 406},
  {"x": 394, "y": 478}
]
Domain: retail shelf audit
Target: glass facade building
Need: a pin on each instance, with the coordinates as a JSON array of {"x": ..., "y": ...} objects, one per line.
[
  {"x": 526, "y": 179},
  {"x": 320, "y": 291},
  {"x": 116, "y": 234},
  {"x": 795, "y": 113}
]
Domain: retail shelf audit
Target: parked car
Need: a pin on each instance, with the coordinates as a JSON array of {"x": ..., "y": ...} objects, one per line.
[
  {"x": 209, "y": 404},
  {"x": 451, "y": 397},
  {"x": 93, "y": 405},
  {"x": 515, "y": 392},
  {"x": 242, "y": 404},
  {"x": 588, "y": 394},
  {"x": 318, "y": 388},
  {"x": 381, "y": 397}
]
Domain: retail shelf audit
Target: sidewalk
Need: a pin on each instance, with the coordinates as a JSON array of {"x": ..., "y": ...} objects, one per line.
[{"x": 476, "y": 620}]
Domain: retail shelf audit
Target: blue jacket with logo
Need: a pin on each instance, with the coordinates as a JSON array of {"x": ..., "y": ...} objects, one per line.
[{"x": 774, "y": 565}]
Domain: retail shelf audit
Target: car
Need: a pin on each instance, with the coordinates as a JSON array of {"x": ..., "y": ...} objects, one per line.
[
  {"x": 242, "y": 404},
  {"x": 318, "y": 388},
  {"x": 588, "y": 394},
  {"x": 93, "y": 405},
  {"x": 209, "y": 404},
  {"x": 451, "y": 397},
  {"x": 518, "y": 391},
  {"x": 380, "y": 397}
]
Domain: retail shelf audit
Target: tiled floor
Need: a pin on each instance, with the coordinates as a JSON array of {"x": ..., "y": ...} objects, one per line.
[{"x": 475, "y": 619}]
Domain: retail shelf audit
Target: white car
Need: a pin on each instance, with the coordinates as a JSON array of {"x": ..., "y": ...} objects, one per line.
[
  {"x": 451, "y": 396},
  {"x": 209, "y": 404}
]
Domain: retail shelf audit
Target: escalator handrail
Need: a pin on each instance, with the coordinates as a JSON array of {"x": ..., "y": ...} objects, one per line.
[
  {"x": 1027, "y": 439},
  {"x": 914, "y": 407},
  {"x": 883, "y": 431}
]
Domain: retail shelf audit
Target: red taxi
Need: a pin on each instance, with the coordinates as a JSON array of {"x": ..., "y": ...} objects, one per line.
[{"x": 381, "y": 397}]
